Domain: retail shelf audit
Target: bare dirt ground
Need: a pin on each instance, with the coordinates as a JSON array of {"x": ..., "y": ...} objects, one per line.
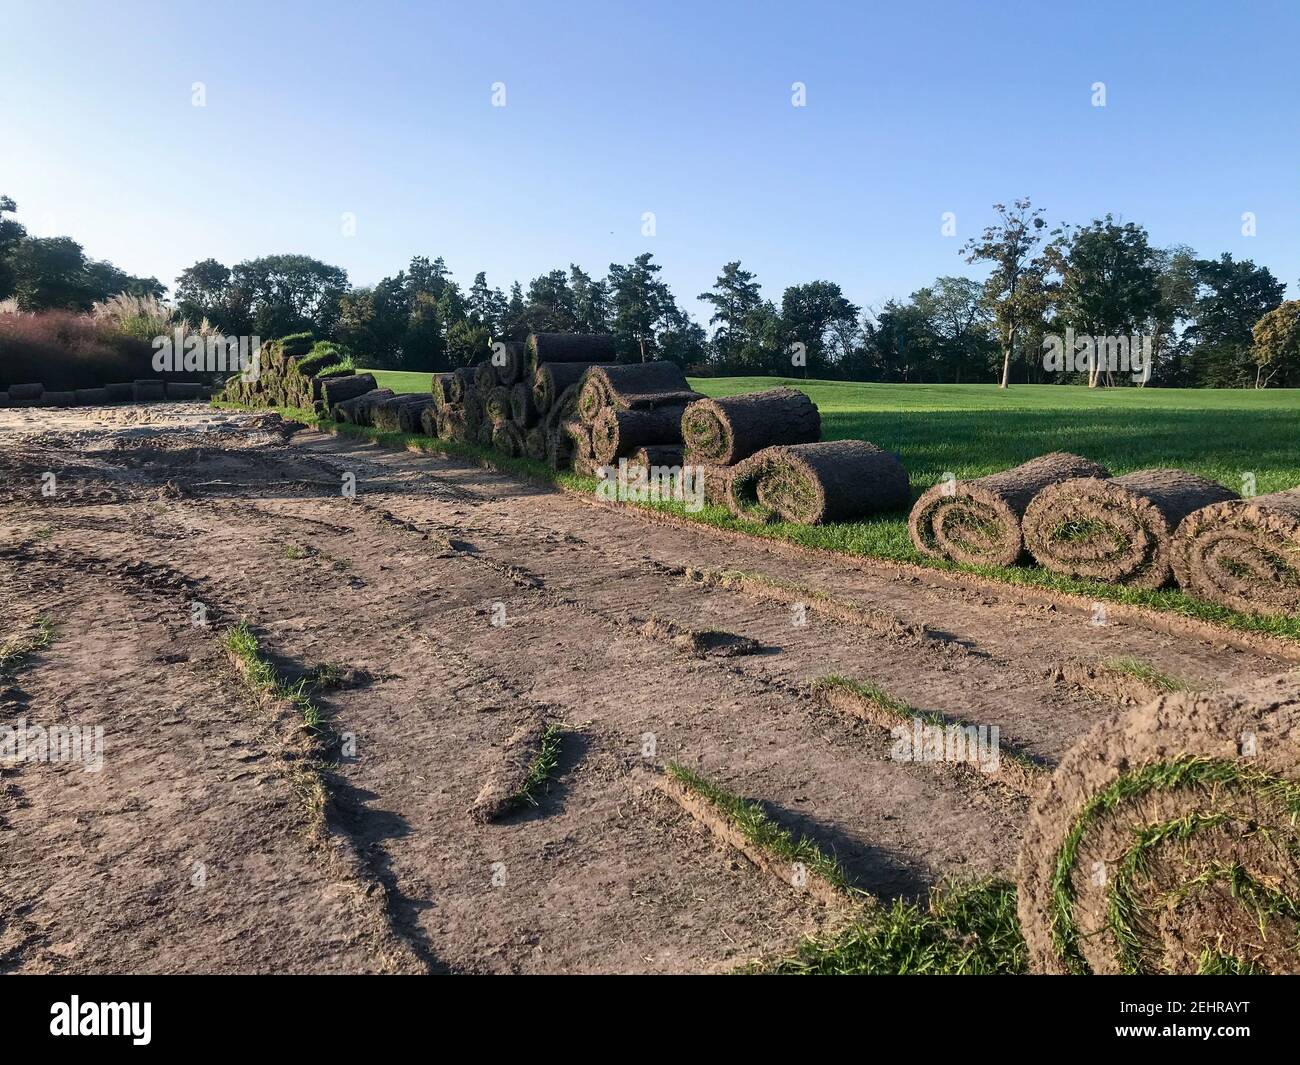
[{"x": 456, "y": 603}]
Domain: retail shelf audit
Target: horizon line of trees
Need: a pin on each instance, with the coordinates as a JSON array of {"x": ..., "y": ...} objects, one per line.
[{"x": 1210, "y": 322}]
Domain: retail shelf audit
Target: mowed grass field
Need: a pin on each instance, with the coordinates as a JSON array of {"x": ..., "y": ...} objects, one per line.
[{"x": 973, "y": 430}]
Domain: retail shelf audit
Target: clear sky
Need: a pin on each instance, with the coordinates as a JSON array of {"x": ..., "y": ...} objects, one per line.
[{"x": 614, "y": 109}]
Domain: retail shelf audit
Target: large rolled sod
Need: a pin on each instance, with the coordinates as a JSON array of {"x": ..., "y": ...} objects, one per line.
[
  {"x": 358, "y": 409},
  {"x": 508, "y": 438},
  {"x": 551, "y": 379},
  {"x": 1118, "y": 529},
  {"x": 978, "y": 522},
  {"x": 637, "y": 386},
  {"x": 617, "y": 433},
  {"x": 496, "y": 404},
  {"x": 336, "y": 389},
  {"x": 809, "y": 484},
  {"x": 1167, "y": 840},
  {"x": 543, "y": 348},
  {"x": 510, "y": 358},
  {"x": 724, "y": 431},
  {"x": 1243, "y": 554}
]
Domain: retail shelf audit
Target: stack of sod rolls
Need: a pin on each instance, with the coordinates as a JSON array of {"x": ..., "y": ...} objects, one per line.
[
  {"x": 627, "y": 407},
  {"x": 718, "y": 434},
  {"x": 1166, "y": 840},
  {"x": 295, "y": 371},
  {"x": 555, "y": 365}
]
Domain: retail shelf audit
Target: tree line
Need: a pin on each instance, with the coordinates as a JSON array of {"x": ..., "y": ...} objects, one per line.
[{"x": 1206, "y": 322}]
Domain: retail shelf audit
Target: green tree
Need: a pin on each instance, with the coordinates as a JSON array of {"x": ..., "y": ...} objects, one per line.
[
  {"x": 737, "y": 312},
  {"x": 818, "y": 316},
  {"x": 1230, "y": 298},
  {"x": 1008, "y": 245},
  {"x": 1109, "y": 281},
  {"x": 290, "y": 294},
  {"x": 50, "y": 272},
  {"x": 1276, "y": 348},
  {"x": 11, "y": 234},
  {"x": 642, "y": 307}
]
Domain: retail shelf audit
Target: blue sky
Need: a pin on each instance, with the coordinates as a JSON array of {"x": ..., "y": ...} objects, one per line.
[{"x": 616, "y": 109}]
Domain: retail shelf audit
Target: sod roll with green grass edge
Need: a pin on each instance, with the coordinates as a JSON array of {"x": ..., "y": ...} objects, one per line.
[
  {"x": 543, "y": 348},
  {"x": 724, "y": 431},
  {"x": 810, "y": 484},
  {"x": 1243, "y": 554},
  {"x": 979, "y": 522},
  {"x": 1168, "y": 840},
  {"x": 1118, "y": 529},
  {"x": 637, "y": 386}
]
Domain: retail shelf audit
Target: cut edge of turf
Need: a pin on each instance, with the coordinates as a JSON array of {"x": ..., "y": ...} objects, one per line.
[
  {"x": 1282, "y": 632},
  {"x": 745, "y": 825},
  {"x": 1017, "y": 770}
]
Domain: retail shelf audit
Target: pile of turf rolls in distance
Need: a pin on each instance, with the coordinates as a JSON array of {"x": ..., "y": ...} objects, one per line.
[
  {"x": 636, "y": 386},
  {"x": 1166, "y": 841},
  {"x": 810, "y": 484},
  {"x": 1118, "y": 529},
  {"x": 543, "y": 348},
  {"x": 978, "y": 522},
  {"x": 1243, "y": 554},
  {"x": 724, "y": 431}
]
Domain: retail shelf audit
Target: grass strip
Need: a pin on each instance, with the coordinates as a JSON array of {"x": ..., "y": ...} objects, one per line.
[
  {"x": 541, "y": 769},
  {"x": 1147, "y": 673},
  {"x": 763, "y": 833},
  {"x": 17, "y": 649},
  {"x": 242, "y": 642},
  {"x": 966, "y": 929}
]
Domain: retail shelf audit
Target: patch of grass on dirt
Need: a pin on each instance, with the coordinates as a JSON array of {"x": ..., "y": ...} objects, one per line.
[
  {"x": 1147, "y": 673},
  {"x": 878, "y": 697},
  {"x": 17, "y": 649},
  {"x": 964, "y": 930},
  {"x": 541, "y": 769},
  {"x": 242, "y": 642},
  {"x": 760, "y": 830}
]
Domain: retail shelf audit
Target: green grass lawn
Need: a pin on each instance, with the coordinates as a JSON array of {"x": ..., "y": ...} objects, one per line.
[{"x": 973, "y": 430}]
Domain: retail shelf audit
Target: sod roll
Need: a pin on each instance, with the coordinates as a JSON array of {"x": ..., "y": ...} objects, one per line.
[
  {"x": 508, "y": 438},
  {"x": 34, "y": 391},
  {"x": 578, "y": 434},
  {"x": 451, "y": 424},
  {"x": 1117, "y": 529},
  {"x": 485, "y": 377},
  {"x": 1167, "y": 840},
  {"x": 58, "y": 399},
  {"x": 472, "y": 410},
  {"x": 118, "y": 391},
  {"x": 563, "y": 409},
  {"x": 483, "y": 437},
  {"x": 337, "y": 389},
  {"x": 142, "y": 391},
  {"x": 510, "y": 359},
  {"x": 522, "y": 409},
  {"x": 440, "y": 386},
  {"x": 535, "y": 443},
  {"x": 551, "y": 379},
  {"x": 1243, "y": 554},
  {"x": 430, "y": 420},
  {"x": 724, "y": 431},
  {"x": 978, "y": 522},
  {"x": 462, "y": 379},
  {"x": 410, "y": 415},
  {"x": 357, "y": 410},
  {"x": 617, "y": 433},
  {"x": 496, "y": 404},
  {"x": 809, "y": 484},
  {"x": 184, "y": 390},
  {"x": 637, "y": 386},
  {"x": 657, "y": 455},
  {"x": 92, "y": 397},
  {"x": 543, "y": 348}
]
